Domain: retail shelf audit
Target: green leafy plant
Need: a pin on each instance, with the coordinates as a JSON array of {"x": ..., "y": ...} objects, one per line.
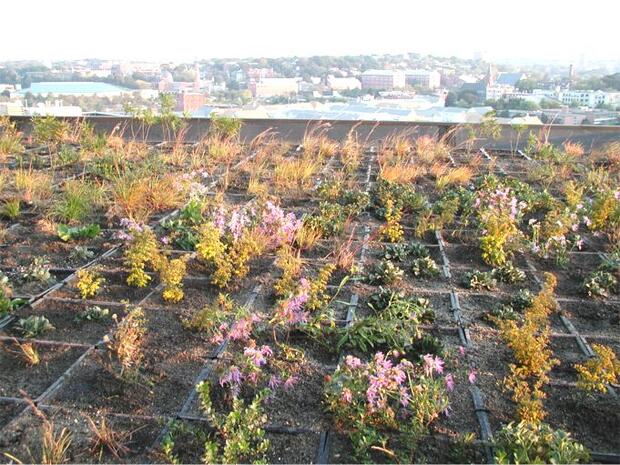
[
  {"x": 239, "y": 435},
  {"x": 480, "y": 280},
  {"x": 393, "y": 326},
  {"x": 384, "y": 272},
  {"x": 508, "y": 273},
  {"x": 93, "y": 313},
  {"x": 37, "y": 271},
  {"x": 70, "y": 233},
  {"x": 537, "y": 443},
  {"x": 599, "y": 284},
  {"x": 424, "y": 267},
  {"x": 34, "y": 326}
]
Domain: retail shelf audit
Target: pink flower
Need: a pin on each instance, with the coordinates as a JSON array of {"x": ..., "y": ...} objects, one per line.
[
  {"x": 462, "y": 350},
  {"x": 353, "y": 362},
  {"x": 449, "y": 382},
  {"x": 258, "y": 356},
  {"x": 432, "y": 364},
  {"x": 346, "y": 396},
  {"x": 290, "y": 382},
  {"x": 472, "y": 376}
]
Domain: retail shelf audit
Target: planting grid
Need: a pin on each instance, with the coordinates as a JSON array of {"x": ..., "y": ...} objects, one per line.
[{"x": 70, "y": 382}]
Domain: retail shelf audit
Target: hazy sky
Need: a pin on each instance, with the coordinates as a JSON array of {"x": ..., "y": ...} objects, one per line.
[{"x": 183, "y": 30}]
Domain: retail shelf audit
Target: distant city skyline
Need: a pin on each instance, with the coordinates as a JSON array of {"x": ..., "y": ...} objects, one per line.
[{"x": 188, "y": 31}]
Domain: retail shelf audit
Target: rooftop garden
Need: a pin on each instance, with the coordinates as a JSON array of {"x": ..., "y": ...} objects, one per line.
[{"x": 399, "y": 300}]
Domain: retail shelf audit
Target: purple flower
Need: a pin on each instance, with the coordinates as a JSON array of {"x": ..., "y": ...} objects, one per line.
[
  {"x": 449, "y": 379},
  {"x": 472, "y": 376},
  {"x": 462, "y": 350},
  {"x": 290, "y": 382},
  {"x": 274, "y": 382},
  {"x": 233, "y": 377}
]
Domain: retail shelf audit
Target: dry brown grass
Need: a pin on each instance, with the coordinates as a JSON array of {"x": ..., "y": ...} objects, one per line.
[
  {"x": 316, "y": 143},
  {"x": 306, "y": 237},
  {"x": 295, "y": 175},
  {"x": 573, "y": 149},
  {"x": 33, "y": 186},
  {"x": 428, "y": 150},
  {"x": 401, "y": 173},
  {"x": 26, "y": 351},
  {"x": 455, "y": 177},
  {"x": 104, "y": 437}
]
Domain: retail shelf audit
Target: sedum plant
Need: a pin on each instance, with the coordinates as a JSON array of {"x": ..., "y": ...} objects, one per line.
[
  {"x": 141, "y": 250},
  {"x": 529, "y": 342},
  {"x": 171, "y": 274},
  {"x": 509, "y": 273},
  {"x": 384, "y": 272},
  {"x": 7, "y": 304},
  {"x": 424, "y": 267},
  {"x": 480, "y": 280},
  {"x": 94, "y": 313},
  {"x": 37, "y": 271},
  {"x": 89, "y": 282},
  {"x": 537, "y": 443},
  {"x": 600, "y": 371}
]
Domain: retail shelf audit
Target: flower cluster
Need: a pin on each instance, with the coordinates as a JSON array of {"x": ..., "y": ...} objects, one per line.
[
  {"x": 499, "y": 212},
  {"x": 371, "y": 400},
  {"x": 277, "y": 225},
  {"x": 256, "y": 365},
  {"x": 501, "y": 202},
  {"x": 291, "y": 311},
  {"x": 557, "y": 234}
]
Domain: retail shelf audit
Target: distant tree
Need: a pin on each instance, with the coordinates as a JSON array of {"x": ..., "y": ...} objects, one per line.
[
  {"x": 547, "y": 103},
  {"x": 451, "y": 99},
  {"x": 526, "y": 85},
  {"x": 612, "y": 81}
]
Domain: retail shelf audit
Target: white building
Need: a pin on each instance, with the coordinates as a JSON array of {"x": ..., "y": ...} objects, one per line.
[
  {"x": 55, "y": 108},
  {"x": 423, "y": 78},
  {"x": 271, "y": 87},
  {"x": 589, "y": 98},
  {"x": 346, "y": 83},
  {"x": 382, "y": 79}
]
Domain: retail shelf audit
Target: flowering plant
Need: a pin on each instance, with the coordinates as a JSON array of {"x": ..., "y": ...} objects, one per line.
[
  {"x": 370, "y": 399},
  {"x": 499, "y": 212},
  {"x": 141, "y": 250},
  {"x": 224, "y": 319},
  {"x": 259, "y": 367}
]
